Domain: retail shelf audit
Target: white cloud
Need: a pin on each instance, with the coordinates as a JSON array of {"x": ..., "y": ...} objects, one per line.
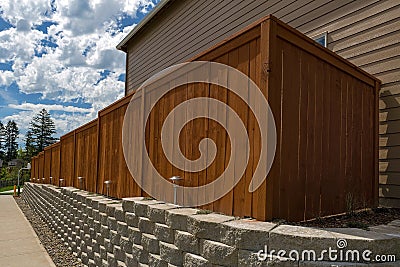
[
  {"x": 66, "y": 64},
  {"x": 38, "y": 107},
  {"x": 64, "y": 122},
  {"x": 31, "y": 10},
  {"x": 6, "y": 77}
]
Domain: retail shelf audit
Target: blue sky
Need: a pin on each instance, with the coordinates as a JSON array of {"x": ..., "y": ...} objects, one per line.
[{"x": 61, "y": 55}]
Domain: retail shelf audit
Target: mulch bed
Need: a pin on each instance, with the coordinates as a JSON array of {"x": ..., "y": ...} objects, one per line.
[{"x": 362, "y": 219}]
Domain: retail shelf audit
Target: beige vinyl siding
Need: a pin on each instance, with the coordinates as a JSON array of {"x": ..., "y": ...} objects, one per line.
[
  {"x": 366, "y": 32},
  {"x": 185, "y": 37}
]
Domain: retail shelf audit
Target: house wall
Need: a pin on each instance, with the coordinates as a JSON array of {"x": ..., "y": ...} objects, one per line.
[{"x": 364, "y": 32}]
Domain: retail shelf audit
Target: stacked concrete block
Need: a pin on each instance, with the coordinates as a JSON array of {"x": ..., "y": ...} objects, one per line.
[{"x": 139, "y": 232}]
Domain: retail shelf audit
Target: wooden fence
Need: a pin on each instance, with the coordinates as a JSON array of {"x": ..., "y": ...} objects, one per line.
[{"x": 326, "y": 115}]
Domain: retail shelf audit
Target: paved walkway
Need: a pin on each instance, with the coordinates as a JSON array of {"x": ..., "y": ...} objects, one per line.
[{"x": 19, "y": 244}]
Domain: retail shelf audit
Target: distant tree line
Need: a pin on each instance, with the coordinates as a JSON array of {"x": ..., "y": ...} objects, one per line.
[{"x": 39, "y": 135}]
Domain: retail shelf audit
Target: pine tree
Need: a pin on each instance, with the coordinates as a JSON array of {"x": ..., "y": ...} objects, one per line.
[
  {"x": 42, "y": 129},
  {"x": 30, "y": 148},
  {"x": 11, "y": 144},
  {"x": 2, "y": 140}
]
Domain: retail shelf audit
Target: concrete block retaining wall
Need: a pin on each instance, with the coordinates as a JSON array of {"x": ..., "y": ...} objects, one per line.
[{"x": 140, "y": 232}]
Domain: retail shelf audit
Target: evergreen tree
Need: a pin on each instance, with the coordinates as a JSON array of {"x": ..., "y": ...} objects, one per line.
[
  {"x": 42, "y": 129},
  {"x": 11, "y": 144},
  {"x": 2, "y": 140},
  {"x": 30, "y": 148}
]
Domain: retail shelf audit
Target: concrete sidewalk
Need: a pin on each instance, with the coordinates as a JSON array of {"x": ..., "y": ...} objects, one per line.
[{"x": 19, "y": 244}]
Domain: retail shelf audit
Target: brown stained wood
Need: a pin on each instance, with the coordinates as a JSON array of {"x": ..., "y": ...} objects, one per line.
[
  {"x": 38, "y": 175},
  {"x": 326, "y": 114},
  {"x": 334, "y": 197},
  {"x": 326, "y": 207},
  {"x": 259, "y": 196},
  {"x": 311, "y": 179},
  {"x": 47, "y": 165},
  {"x": 122, "y": 178},
  {"x": 55, "y": 162},
  {"x": 152, "y": 140},
  {"x": 290, "y": 132},
  {"x": 242, "y": 196},
  {"x": 105, "y": 150},
  {"x": 86, "y": 156},
  {"x": 319, "y": 139},
  {"x": 281, "y": 194},
  {"x": 37, "y": 169},
  {"x": 369, "y": 101},
  {"x": 220, "y": 137},
  {"x": 41, "y": 167},
  {"x": 225, "y": 204},
  {"x": 180, "y": 96},
  {"x": 349, "y": 135},
  {"x": 101, "y": 152},
  {"x": 168, "y": 106},
  {"x": 357, "y": 142},
  {"x": 67, "y": 171},
  {"x": 202, "y": 128},
  {"x": 303, "y": 136},
  {"x": 342, "y": 140},
  {"x": 274, "y": 97},
  {"x": 186, "y": 137}
]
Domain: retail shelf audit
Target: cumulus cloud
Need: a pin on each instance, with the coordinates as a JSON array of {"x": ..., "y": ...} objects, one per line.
[
  {"x": 38, "y": 107},
  {"x": 6, "y": 77},
  {"x": 65, "y": 51}
]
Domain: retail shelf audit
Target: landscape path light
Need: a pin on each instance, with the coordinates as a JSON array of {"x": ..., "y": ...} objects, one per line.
[
  {"x": 108, "y": 183},
  {"x": 174, "y": 180},
  {"x": 28, "y": 167},
  {"x": 80, "y": 180}
]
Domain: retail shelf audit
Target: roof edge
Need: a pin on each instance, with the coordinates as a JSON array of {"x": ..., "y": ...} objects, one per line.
[{"x": 141, "y": 24}]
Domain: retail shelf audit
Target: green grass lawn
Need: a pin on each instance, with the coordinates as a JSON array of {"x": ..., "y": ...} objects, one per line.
[{"x": 7, "y": 188}]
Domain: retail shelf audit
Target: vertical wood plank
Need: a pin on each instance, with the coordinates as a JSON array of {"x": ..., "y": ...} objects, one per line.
[
  {"x": 312, "y": 176},
  {"x": 299, "y": 213},
  {"x": 290, "y": 132},
  {"x": 326, "y": 207},
  {"x": 221, "y": 139},
  {"x": 258, "y": 204},
  {"x": 242, "y": 196}
]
